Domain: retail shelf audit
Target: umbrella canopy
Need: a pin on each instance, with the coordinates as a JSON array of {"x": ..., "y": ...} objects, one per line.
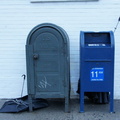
[{"x": 21, "y": 104}]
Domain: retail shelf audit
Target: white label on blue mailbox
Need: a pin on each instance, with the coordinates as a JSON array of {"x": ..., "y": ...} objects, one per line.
[{"x": 97, "y": 74}]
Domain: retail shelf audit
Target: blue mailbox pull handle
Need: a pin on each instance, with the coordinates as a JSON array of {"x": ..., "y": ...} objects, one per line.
[
  {"x": 35, "y": 56},
  {"x": 97, "y": 60}
]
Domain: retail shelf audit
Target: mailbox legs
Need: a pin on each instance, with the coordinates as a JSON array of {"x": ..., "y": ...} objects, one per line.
[
  {"x": 110, "y": 97},
  {"x": 81, "y": 102},
  {"x": 67, "y": 100},
  {"x": 111, "y": 102},
  {"x": 30, "y": 103}
]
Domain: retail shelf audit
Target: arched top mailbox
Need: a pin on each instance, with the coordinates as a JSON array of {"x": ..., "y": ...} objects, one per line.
[
  {"x": 49, "y": 28},
  {"x": 47, "y": 55}
]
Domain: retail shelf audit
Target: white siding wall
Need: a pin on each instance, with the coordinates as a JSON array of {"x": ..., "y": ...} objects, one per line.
[{"x": 18, "y": 17}]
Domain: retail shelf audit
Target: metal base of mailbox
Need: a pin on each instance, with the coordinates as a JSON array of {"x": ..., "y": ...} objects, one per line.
[
  {"x": 67, "y": 107},
  {"x": 110, "y": 97}
]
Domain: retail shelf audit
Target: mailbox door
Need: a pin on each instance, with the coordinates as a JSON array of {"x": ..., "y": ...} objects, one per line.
[{"x": 48, "y": 60}]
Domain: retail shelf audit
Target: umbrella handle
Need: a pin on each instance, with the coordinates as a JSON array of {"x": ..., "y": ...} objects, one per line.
[{"x": 24, "y": 76}]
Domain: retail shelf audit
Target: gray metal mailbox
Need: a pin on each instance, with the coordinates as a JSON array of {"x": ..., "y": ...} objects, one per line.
[{"x": 47, "y": 57}]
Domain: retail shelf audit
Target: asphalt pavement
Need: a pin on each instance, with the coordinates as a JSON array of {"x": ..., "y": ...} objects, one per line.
[{"x": 55, "y": 111}]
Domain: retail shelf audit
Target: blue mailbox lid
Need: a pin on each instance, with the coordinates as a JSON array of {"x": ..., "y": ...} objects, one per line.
[{"x": 97, "y": 39}]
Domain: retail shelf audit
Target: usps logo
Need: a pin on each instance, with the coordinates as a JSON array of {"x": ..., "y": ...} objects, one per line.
[{"x": 97, "y": 74}]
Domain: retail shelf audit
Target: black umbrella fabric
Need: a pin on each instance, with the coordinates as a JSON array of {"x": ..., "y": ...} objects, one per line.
[{"x": 21, "y": 104}]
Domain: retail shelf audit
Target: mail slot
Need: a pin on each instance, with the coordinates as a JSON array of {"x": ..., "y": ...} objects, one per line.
[{"x": 96, "y": 64}]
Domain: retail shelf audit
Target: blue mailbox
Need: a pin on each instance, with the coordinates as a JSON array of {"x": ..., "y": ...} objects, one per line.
[{"x": 96, "y": 64}]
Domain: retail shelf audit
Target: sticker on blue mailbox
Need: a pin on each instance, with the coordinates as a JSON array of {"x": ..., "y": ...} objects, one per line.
[{"x": 97, "y": 74}]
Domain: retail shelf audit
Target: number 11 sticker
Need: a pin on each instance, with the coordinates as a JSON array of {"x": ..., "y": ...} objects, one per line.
[{"x": 97, "y": 74}]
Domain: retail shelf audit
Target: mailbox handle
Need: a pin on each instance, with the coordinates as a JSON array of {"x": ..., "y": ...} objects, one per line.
[
  {"x": 35, "y": 56},
  {"x": 97, "y": 60}
]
